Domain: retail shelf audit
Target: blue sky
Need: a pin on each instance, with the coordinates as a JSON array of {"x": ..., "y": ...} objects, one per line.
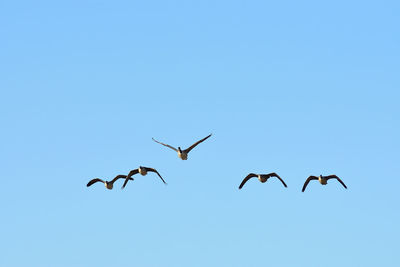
[{"x": 295, "y": 88}]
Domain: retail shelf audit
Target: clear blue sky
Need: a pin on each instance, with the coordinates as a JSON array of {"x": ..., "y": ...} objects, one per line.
[{"x": 296, "y": 87}]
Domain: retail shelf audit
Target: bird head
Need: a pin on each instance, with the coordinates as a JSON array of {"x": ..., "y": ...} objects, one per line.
[{"x": 179, "y": 149}]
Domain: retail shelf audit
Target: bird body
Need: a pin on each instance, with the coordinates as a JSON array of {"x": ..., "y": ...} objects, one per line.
[
  {"x": 262, "y": 178},
  {"x": 108, "y": 185},
  {"x": 142, "y": 171},
  {"x": 182, "y": 154},
  {"x": 322, "y": 180}
]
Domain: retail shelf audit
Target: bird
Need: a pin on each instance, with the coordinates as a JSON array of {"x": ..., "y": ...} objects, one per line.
[
  {"x": 183, "y": 154},
  {"x": 108, "y": 184},
  {"x": 322, "y": 180},
  {"x": 143, "y": 171},
  {"x": 262, "y": 178}
]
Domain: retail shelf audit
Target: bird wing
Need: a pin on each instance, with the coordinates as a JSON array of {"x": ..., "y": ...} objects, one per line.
[
  {"x": 95, "y": 180},
  {"x": 130, "y": 174},
  {"x": 119, "y": 176},
  {"x": 307, "y": 181},
  {"x": 154, "y": 170},
  {"x": 187, "y": 150},
  {"x": 165, "y": 145},
  {"x": 273, "y": 174},
  {"x": 335, "y": 177},
  {"x": 251, "y": 175}
]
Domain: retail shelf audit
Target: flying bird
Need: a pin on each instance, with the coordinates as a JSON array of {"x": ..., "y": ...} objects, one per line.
[
  {"x": 322, "y": 180},
  {"x": 143, "y": 171},
  {"x": 183, "y": 154},
  {"x": 262, "y": 178},
  {"x": 108, "y": 184}
]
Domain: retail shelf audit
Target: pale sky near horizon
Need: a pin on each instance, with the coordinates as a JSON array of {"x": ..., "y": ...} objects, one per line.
[{"x": 294, "y": 88}]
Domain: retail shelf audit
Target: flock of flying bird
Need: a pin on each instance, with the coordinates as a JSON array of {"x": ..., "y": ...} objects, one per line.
[{"x": 183, "y": 154}]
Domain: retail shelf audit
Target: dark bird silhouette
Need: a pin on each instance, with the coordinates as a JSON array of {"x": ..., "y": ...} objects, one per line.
[
  {"x": 322, "y": 180},
  {"x": 262, "y": 178},
  {"x": 143, "y": 171},
  {"x": 183, "y": 154},
  {"x": 108, "y": 184}
]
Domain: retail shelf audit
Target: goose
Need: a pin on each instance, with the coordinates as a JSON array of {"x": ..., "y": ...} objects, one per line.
[
  {"x": 143, "y": 171},
  {"x": 108, "y": 184},
  {"x": 183, "y": 154},
  {"x": 262, "y": 178},
  {"x": 322, "y": 180}
]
